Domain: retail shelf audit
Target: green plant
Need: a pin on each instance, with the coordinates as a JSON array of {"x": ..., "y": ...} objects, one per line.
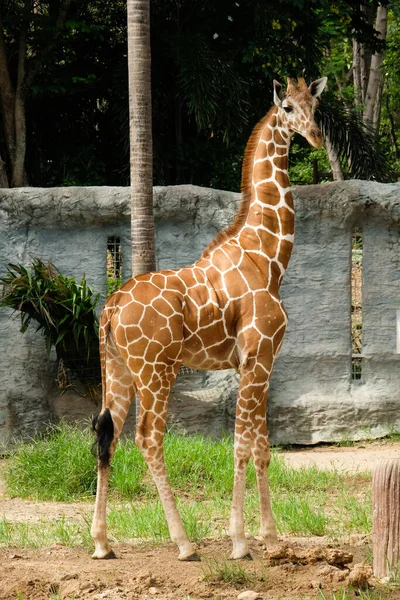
[
  {"x": 64, "y": 312},
  {"x": 229, "y": 572}
]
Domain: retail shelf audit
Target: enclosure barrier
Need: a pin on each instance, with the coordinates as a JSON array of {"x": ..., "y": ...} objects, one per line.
[{"x": 337, "y": 375}]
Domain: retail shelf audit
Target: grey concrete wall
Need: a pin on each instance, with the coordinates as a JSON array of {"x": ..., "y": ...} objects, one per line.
[{"x": 312, "y": 395}]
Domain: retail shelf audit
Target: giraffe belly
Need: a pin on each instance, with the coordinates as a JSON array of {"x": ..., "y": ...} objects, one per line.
[{"x": 207, "y": 345}]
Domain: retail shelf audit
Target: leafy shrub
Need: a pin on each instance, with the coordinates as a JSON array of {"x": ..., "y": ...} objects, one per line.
[{"x": 64, "y": 312}]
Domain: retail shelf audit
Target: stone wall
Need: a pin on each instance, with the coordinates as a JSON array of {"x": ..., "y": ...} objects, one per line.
[{"x": 313, "y": 397}]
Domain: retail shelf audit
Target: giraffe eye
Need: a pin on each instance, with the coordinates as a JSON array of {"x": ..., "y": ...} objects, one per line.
[{"x": 287, "y": 109}]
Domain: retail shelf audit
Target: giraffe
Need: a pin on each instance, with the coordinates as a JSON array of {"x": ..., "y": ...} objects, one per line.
[{"x": 224, "y": 311}]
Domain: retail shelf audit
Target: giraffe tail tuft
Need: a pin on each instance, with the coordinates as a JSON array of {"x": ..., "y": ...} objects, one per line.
[{"x": 103, "y": 425}]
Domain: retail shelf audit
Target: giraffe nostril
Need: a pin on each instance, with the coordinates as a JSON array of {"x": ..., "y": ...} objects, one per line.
[{"x": 316, "y": 133}]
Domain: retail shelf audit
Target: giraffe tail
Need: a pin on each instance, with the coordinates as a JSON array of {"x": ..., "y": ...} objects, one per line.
[
  {"x": 102, "y": 424},
  {"x": 104, "y": 427}
]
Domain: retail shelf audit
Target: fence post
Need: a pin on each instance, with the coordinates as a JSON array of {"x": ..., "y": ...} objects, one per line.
[
  {"x": 315, "y": 171},
  {"x": 386, "y": 517}
]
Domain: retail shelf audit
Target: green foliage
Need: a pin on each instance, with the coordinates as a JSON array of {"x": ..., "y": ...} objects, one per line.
[
  {"x": 43, "y": 533},
  {"x": 63, "y": 310},
  {"x": 365, "y": 156},
  {"x": 231, "y": 572},
  {"x": 200, "y": 471},
  {"x": 58, "y": 466},
  {"x": 212, "y": 71},
  {"x": 301, "y": 162}
]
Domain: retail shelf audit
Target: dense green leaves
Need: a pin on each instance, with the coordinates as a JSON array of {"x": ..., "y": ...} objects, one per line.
[
  {"x": 63, "y": 310},
  {"x": 212, "y": 69}
]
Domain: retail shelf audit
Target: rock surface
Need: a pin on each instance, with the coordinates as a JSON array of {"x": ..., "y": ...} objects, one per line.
[{"x": 312, "y": 396}]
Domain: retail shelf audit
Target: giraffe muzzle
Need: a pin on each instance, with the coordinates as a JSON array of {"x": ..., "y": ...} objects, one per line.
[{"x": 315, "y": 138}]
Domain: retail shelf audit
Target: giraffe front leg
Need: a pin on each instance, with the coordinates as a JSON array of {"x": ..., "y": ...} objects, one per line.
[
  {"x": 261, "y": 458},
  {"x": 250, "y": 438},
  {"x": 242, "y": 449}
]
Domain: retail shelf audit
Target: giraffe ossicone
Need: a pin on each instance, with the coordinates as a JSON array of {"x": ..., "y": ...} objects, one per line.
[{"x": 222, "y": 312}]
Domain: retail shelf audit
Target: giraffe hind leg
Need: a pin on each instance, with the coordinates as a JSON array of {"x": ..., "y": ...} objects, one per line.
[{"x": 108, "y": 426}]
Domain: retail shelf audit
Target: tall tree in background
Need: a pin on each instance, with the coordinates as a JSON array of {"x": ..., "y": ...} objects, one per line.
[
  {"x": 367, "y": 63},
  {"x": 140, "y": 131},
  {"x": 32, "y": 20},
  {"x": 354, "y": 61}
]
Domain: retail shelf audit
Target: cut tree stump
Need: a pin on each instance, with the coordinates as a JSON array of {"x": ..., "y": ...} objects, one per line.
[{"x": 386, "y": 518}]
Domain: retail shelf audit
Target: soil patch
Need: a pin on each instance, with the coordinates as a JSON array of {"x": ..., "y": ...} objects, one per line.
[
  {"x": 301, "y": 570},
  {"x": 295, "y": 570}
]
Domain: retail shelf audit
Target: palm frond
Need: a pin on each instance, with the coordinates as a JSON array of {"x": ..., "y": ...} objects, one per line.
[
  {"x": 354, "y": 142},
  {"x": 63, "y": 309}
]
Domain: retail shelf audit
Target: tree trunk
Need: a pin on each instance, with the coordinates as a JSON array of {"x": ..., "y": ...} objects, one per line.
[
  {"x": 7, "y": 99},
  {"x": 357, "y": 72},
  {"x": 18, "y": 162},
  {"x": 386, "y": 517},
  {"x": 141, "y": 148},
  {"x": 336, "y": 167},
  {"x": 375, "y": 75},
  {"x": 12, "y": 101},
  {"x": 392, "y": 128},
  {"x": 3, "y": 174}
]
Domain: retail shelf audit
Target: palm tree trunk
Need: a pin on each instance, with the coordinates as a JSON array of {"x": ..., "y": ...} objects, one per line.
[
  {"x": 141, "y": 147},
  {"x": 334, "y": 161}
]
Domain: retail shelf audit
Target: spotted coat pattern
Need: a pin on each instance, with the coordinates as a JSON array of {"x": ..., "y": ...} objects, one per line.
[{"x": 222, "y": 312}]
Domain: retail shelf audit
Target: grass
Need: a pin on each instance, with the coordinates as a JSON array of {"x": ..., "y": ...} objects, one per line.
[
  {"x": 44, "y": 533},
  {"x": 306, "y": 501},
  {"x": 225, "y": 571}
]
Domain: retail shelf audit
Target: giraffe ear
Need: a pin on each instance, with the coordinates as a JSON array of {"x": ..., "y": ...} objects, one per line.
[
  {"x": 317, "y": 87},
  {"x": 278, "y": 95}
]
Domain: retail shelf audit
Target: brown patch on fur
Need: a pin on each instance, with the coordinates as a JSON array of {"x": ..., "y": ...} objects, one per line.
[
  {"x": 158, "y": 280},
  {"x": 247, "y": 174},
  {"x": 289, "y": 199},
  {"x": 278, "y": 138},
  {"x": 268, "y": 135},
  {"x": 287, "y": 220},
  {"x": 281, "y": 162},
  {"x": 282, "y": 179},
  {"x": 281, "y": 150},
  {"x": 268, "y": 193},
  {"x": 285, "y": 252},
  {"x": 261, "y": 152},
  {"x": 262, "y": 170}
]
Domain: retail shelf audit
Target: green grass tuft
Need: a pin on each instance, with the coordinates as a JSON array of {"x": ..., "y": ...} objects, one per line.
[{"x": 231, "y": 572}]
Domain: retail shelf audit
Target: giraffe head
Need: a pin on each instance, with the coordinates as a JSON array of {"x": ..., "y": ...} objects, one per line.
[{"x": 297, "y": 105}]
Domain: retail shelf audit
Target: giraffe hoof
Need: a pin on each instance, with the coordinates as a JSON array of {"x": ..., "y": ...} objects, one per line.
[
  {"x": 110, "y": 554},
  {"x": 191, "y": 558},
  {"x": 246, "y": 556}
]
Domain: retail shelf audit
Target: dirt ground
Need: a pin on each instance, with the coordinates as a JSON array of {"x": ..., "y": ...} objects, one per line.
[{"x": 295, "y": 570}]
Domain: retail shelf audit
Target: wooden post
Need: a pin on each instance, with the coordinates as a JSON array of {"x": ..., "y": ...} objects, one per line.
[
  {"x": 315, "y": 171},
  {"x": 386, "y": 517}
]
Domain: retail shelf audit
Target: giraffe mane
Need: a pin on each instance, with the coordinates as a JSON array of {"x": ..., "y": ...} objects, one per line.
[{"x": 246, "y": 188}]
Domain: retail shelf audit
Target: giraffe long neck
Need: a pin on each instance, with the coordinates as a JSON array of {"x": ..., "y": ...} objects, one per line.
[{"x": 268, "y": 228}]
